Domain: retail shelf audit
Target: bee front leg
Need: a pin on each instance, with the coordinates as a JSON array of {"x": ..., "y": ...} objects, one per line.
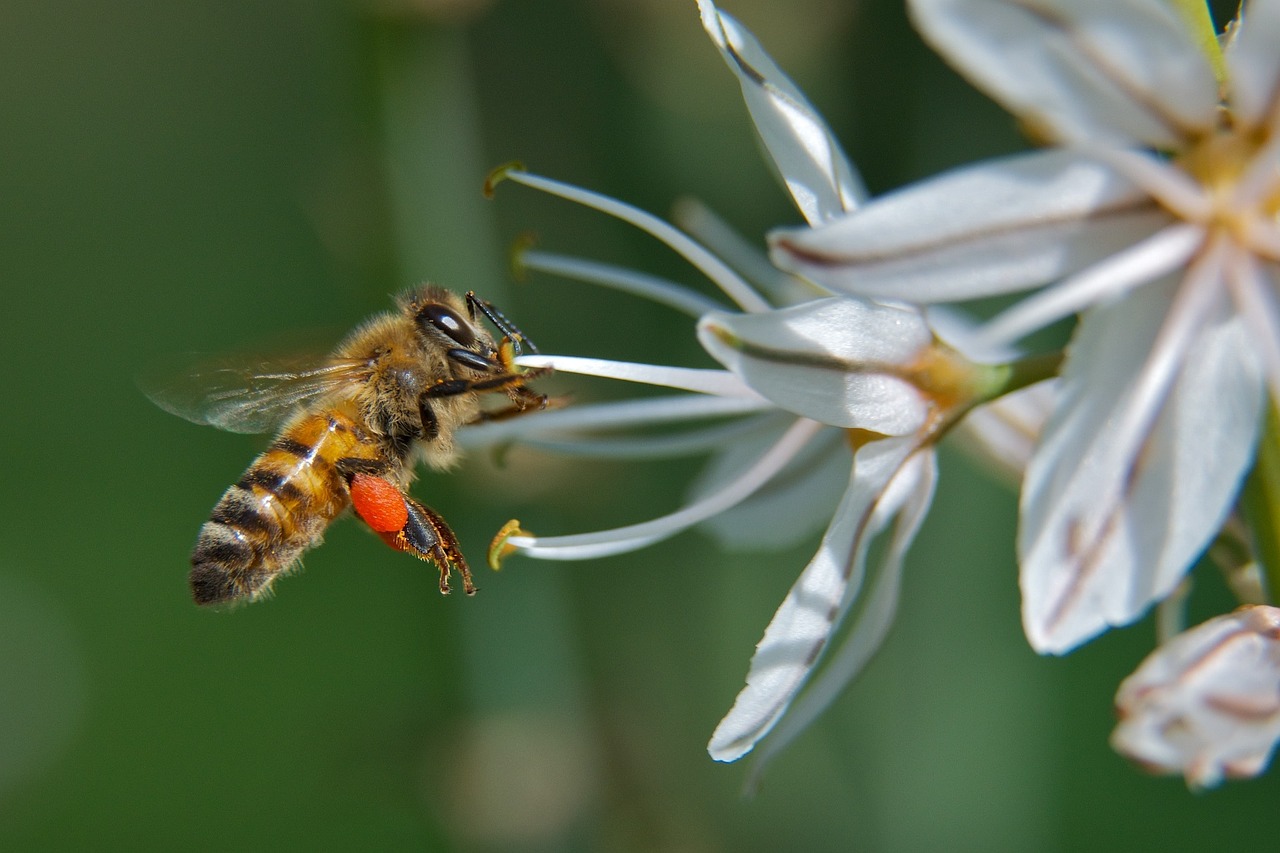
[{"x": 408, "y": 526}]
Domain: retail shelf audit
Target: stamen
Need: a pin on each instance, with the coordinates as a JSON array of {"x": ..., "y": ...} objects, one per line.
[
  {"x": 624, "y": 414},
  {"x": 720, "y": 383},
  {"x": 632, "y": 537},
  {"x": 746, "y": 258},
  {"x": 1172, "y": 187},
  {"x": 1164, "y": 251},
  {"x": 708, "y": 264},
  {"x": 650, "y": 287},
  {"x": 1259, "y": 180},
  {"x": 1262, "y": 236},
  {"x": 691, "y": 442}
]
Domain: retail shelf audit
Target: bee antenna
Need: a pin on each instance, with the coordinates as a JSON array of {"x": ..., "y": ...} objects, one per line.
[{"x": 500, "y": 322}]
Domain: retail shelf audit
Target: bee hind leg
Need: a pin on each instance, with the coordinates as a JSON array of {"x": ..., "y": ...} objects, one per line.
[
  {"x": 428, "y": 536},
  {"x": 408, "y": 526}
]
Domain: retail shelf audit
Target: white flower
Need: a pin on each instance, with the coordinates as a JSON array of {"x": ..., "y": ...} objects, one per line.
[
  {"x": 1156, "y": 218},
  {"x": 1206, "y": 704},
  {"x": 812, "y": 380},
  {"x": 821, "y": 377}
]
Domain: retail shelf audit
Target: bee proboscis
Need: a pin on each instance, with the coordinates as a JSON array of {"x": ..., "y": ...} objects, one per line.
[{"x": 351, "y": 429}]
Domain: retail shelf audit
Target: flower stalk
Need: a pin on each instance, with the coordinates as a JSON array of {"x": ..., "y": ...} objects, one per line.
[
  {"x": 1261, "y": 502},
  {"x": 1199, "y": 21}
]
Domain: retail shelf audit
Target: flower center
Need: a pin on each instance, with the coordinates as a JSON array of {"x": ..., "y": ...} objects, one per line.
[
  {"x": 1238, "y": 170},
  {"x": 949, "y": 380}
]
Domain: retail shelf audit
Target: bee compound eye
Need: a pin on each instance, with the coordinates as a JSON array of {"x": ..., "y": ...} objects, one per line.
[{"x": 445, "y": 319}]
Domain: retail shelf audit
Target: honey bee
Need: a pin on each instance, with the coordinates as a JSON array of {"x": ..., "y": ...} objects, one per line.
[{"x": 351, "y": 430}]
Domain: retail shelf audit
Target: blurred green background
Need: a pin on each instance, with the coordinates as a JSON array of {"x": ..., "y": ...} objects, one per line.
[{"x": 202, "y": 176}]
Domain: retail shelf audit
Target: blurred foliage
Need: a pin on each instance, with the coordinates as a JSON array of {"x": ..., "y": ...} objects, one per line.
[{"x": 201, "y": 176}]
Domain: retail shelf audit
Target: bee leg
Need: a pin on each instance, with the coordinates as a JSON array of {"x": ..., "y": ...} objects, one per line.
[
  {"x": 429, "y": 537},
  {"x": 408, "y": 526},
  {"x": 525, "y": 406},
  {"x": 430, "y": 426},
  {"x": 454, "y": 387}
]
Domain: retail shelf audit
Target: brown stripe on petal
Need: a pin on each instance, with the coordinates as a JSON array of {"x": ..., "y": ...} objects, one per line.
[
  {"x": 811, "y": 658},
  {"x": 1142, "y": 205}
]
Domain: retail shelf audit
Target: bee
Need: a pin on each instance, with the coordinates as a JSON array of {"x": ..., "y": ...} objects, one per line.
[{"x": 351, "y": 430}]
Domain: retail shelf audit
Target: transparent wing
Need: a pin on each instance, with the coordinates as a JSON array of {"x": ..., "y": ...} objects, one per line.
[{"x": 248, "y": 394}]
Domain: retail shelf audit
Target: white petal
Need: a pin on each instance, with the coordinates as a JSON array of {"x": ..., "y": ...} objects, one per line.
[
  {"x": 1207, "y": 703},
  {"x": 1107, "y": 71},
  {"x": 832, "y": 360},
  {"x": 812, "y": 610},
  {"x": 1131, "y": 481},
  {"x": 913, "y": 486},
  {"x": 1253, "y": 63},
  {"x": 788, "y": 509},
  {"x": 997, "y": 227},
  {"x": 818, "y": 175},
  {"x": 1257, "y": 294}
]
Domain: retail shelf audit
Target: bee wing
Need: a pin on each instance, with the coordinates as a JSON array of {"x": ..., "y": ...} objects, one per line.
[{"x": 251, "y": 396}]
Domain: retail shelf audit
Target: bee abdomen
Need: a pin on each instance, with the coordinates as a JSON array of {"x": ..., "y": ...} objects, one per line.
[
  {"x": 278, "y": 509},
  {"x": 240, "y": 549}
]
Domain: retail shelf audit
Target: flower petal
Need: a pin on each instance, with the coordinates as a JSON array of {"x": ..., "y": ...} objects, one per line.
[
  {"x": 1253, "y": 64},
  {"x": 1106, "y": 71},
  {"x": 1256, "y": 290},
  {"x": 1131, "y": 482},
  {"x": 1206, "y": 703},
  {"x": 819, "y": 177},
  {"x": 835, "y": 360},
  {"x": 912, "y": 489},
  {"x": 1000, "y": 226},
  {"x": 814, "y": 606}
]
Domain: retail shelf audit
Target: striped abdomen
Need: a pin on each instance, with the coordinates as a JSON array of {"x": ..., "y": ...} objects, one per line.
[{"x": 280, "y": 507}]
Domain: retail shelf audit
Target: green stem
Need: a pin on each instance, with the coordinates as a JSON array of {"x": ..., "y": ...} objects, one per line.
[
  {"x": 1261, "y": 503},
  {"x": 1196, "y": 15},
  {"x": 1017, "y": 375}
]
